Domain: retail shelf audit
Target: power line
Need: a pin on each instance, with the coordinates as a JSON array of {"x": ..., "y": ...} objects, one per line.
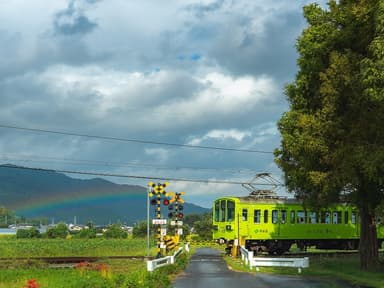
[
  {"x": 132, "y": 140},
  {"x": 36, "y": 159},
  {"x": 205, "y": 181}
]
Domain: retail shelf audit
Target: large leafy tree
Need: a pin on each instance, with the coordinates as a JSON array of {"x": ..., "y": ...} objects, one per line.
[{"x": 333, "y": 135}]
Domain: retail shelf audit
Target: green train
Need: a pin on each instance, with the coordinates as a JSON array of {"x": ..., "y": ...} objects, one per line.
[{"x": 273, "y": 224}]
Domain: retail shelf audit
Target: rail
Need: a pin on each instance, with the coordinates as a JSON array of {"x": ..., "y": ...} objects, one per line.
[
  {"x": 247, "y": 257},
  {"x": 167, "y": 260}
]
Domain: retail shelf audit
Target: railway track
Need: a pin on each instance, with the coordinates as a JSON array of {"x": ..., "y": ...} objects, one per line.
[{"x": 68, "y": 261}]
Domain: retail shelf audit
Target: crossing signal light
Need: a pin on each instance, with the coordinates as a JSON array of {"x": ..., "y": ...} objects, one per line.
[
  {"x": 166, "y": 202},
  {"x": 170, "y": 215},
  {"x": 170, "y": 207},
  {"x": 180, "y": 215},
  {"x": 153, "y": 202},
  {"x": 180, "y": 207}
]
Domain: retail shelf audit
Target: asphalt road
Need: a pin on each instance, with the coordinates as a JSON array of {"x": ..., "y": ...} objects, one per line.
[{"x": 207, "y": 268}]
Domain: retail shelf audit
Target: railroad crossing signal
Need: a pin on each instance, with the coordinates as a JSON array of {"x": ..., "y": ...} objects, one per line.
[
  {"x": 158, "y": 192},
  {"x": 175, "y": 214}
]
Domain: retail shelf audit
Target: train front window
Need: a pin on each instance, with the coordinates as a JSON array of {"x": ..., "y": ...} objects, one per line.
[
  {"x": 222, "y": 211},
  {"x": 230, "y": 211},
  {"x": 217, "y": 211}
]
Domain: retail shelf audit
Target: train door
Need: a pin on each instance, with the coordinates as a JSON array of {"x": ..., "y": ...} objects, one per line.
[
  {"x": 355, "y": 220},
  {"x": 275, "y": 221},
  {"x": 243, "y": 224}
]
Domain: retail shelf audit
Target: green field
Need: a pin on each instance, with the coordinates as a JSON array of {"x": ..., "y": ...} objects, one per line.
[
  {"x": 15, "y": 273},
  {"x": 10, "y": 247}
]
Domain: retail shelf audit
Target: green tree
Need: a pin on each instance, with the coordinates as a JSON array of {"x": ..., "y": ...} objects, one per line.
[
  {"x": 59, "y": 231},
  {"x": 333, "y": 135},
  {"x": 204, "y": 227},
  {"x": 32, "y": 232},
  {"x": 140, "y": 230},
  {"x": 115, "y": 231},
  {"x": 87, "y": 233}
]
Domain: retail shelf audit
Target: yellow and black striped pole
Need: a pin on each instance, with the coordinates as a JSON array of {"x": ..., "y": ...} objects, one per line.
[{"x": 158, "y": 190}]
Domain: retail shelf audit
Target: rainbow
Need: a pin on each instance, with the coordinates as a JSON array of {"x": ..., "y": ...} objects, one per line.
[{"x": 59, "y": 200}]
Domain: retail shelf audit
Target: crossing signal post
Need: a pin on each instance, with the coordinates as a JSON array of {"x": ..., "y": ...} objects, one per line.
[
  {"x": 157, "y": 191},
  {"x": 176, "y": 215}
]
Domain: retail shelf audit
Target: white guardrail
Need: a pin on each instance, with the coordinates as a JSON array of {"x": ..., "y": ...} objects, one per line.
[
  {"x": 167, "y": 260},
  {"x": 247, "y": 257}
]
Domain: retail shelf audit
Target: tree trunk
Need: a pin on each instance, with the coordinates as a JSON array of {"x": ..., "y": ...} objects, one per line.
[{"x": 368, "y": 248}]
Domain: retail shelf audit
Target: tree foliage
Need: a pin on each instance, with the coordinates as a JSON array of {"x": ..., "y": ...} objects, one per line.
[
  {"x": 115, "y": 231},
  {"x": 59, "y": 231},
  {"x": 203, "y": 227},
  {"x": 29, "y": 233},
  {"x": 332, "y": 136}
]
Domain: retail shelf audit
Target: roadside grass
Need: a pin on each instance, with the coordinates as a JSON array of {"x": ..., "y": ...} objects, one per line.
[{"x": 334, "y": 269}]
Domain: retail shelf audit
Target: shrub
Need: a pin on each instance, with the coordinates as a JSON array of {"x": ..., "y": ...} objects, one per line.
[
  {"x": 115, "y": 231},
  {"x": 32, "y": 232},
  {"x": 87, "y": 233},
  {"x": 59, "y": 231}
]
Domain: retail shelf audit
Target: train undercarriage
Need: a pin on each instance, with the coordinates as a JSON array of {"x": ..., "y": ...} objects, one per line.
[{"x": 279, "y": 247}]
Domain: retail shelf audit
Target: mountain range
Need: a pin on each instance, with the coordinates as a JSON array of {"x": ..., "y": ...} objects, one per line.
[{"x": 34, "y": 193}]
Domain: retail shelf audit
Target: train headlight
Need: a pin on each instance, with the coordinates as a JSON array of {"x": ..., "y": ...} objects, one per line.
[{"x": 228, "y": 227}]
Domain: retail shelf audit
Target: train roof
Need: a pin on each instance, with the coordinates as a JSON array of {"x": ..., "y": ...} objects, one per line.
[
  {"x": 252, "y": 199},
  {"x": 266, "y": 200}
]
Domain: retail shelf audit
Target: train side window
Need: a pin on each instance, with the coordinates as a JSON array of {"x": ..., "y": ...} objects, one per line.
[
  {"x": 312, "y": 217},
  {"x": 283, "y": 216},
  {"x": 245, "y": 214},
  {"x": 217, "y": 211},
  {"x": 222, "y": 211},
  {"x": 230, "y": 211},
  {"x": 265, "y": 216},
  {"x": 325, "y": 217},
  {"x": 256, "y": 216},
  {"x": 301, "y": 217},
  {"x": 293, "y": 217},
  {"x": 346, "y": 217},
  {"x": 274, "y": 216},
  {"x": 354, "y": 218},
  {"x": 336, "y": 217}
]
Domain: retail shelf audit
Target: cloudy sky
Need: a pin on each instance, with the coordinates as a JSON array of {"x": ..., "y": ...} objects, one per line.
[{"x": 186, "y": 72}]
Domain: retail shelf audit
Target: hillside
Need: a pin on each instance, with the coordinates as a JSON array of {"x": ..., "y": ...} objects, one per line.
[{"x": 34, "y": 193}]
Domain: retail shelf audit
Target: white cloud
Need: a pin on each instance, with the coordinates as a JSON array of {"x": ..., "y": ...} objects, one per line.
[{"x": 221, "y": 135}]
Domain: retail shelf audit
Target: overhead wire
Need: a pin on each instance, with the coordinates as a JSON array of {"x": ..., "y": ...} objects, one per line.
[
  {"x": 132, "y": 140},
  {"x": 134, "y": 164},
  {"x": 173, "y": 179}
]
